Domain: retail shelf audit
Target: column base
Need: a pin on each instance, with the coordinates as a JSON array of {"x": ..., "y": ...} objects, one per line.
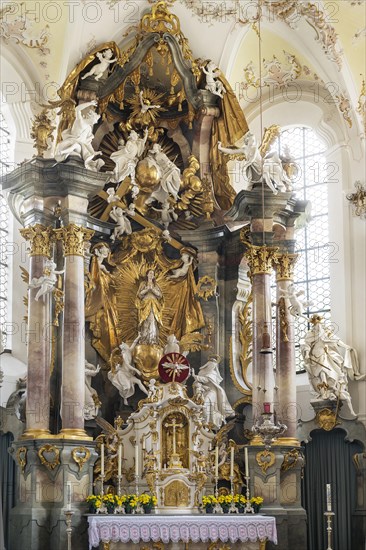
[
  {"x": 287, "y": 442},
  {"x": 37, "y": 434},
  {"x": 74, "y": 433}
]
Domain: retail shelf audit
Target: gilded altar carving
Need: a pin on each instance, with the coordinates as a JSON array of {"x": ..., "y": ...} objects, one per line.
[
  {"x": 282, "y": 310},
  {"x": 290, "y": 459},
  {"x": 285, "y": 265},
  {"x": 40, "y": 238},
  {"x": 80, "y": 455},
  {"x": 74, "y": 239},
  {"x": 41, "y": 132},
  {"x": 327, "y": 419},
  {"x": 119, "y": 289},
  {"x": 175, "y": 440},
  {"x": 206, "y": 287},
  {"x": 49, "y": 455},
  {"x": 265, "y": 459},
  {"x": 176, "y": 494}
]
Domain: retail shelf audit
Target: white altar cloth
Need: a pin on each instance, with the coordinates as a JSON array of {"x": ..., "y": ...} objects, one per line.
[{"x": 180, "y": 528}]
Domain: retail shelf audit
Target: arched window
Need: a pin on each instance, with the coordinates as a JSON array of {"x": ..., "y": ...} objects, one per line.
[
  {"x": 5, "y": 166},
  {"x": 312, "y": 273}
]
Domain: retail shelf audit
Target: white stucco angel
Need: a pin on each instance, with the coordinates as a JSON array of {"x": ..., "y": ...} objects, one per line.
[
  {"x": 102, "y": 252},
  {"x": 255, "y": 168},
  {"x": 328, "y": 362},
  {"x": 46, "y": 283},
  {"x": 167, "y": 214},
  {"x": 127, "y": 157},
  {"x": 123, "y": 224},
  {"x": 112, "y": 195},
  {"x": 213, "y": 85},
  {"x": 182, "y": 271},
  {"x": 92, "y": 402},
  {"x": 216, "y": 404},
  {"x": 123, "y": 377},
  {"x": 77, "y": 140},
  {"x": 297, "y": 304},
  {"x": 169, "y": 175},
  {"x": 98, "y": 70}
]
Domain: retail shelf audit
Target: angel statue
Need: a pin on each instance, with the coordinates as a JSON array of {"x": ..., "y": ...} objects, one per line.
[
  {"x": 216, "y": 404},
  {"x": 213, "y": 85},
  {"x": 123, "y": 376},
  {"x": 46, "y": 283},
  {"x": 327, "y": 366},
  {"x": 169, "y": 175},
  {"x": 297, "y": 305},
  {"x": 99, "y": 69},
  {"x": 92, "y": 402},
  {"x": 127, "y": 156},
  {"x": 77, "y": 140},
  {"x": 182, "y": 271},
  {"x": 123, "y": 224},
  {"x": 255, "y": 168},
  {"x": 112, "y": 437},
  {"x": 167, "y": 213},
  {"x": 149, "y": 305}
]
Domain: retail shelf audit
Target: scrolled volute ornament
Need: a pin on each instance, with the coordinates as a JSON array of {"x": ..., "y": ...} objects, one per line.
[
  {"x": 49, "y": 455},
  {"x": 80, "y": 455}
]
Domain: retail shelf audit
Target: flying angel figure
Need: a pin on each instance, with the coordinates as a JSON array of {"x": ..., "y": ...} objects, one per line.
[
  {"x": 99, "y": 69},
  {"x": 297, "y": 305}
]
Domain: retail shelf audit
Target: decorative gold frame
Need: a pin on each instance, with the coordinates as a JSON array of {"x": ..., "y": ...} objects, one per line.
[
  {"x": 79, "y": 460},
  {"x": 22, "y": 461},
  {"x": 265, "y": 465},
  {"x": 206, "y": 287},
  {"x": 49, "y": 449}
]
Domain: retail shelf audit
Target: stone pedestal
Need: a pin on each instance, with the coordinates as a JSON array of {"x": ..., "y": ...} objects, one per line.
[{"x": 46, "y": 467}]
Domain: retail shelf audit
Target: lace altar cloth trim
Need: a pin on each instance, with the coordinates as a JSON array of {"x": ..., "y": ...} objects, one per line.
[{"x": 166, "y": 529}]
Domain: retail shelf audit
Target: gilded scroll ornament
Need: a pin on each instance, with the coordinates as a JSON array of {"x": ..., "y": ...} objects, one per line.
[
  {"x": 327, "y": 419},
  {"x": 218, "y": 546},
  {"x": 290, "y": 459},
  {"x": 160, "y": 20},
  {"x": 155, "y": 546},
  {"x": 42, "y": 130},
  {"x": 80, "y": 455},
  {"x": 361, "y": 105},
  {"x": 265, "y": 459},
  {"x": 74, "y": 238},
  {"x": 285, "y": 265},
  {"x": 21, "y": 457},
  {"x": 206, "y": 287},
  {"x": 40, "y": 238},
  {"x": 282, "y": 310},
  {"x": 49, "y": 455}
]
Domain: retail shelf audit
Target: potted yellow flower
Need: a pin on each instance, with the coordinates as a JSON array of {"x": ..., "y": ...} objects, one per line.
[
  {"x": 208, "y": 503},
  {"x": 148, "y": 502},
  {"x": 130, "y": 503},
  {"x": 240, "y": 502},
  {"x": 109, "y": 501},
  {"x": 95, "y": 502},
  {"x": 225, "y": 501},
  {"x": 256, "y": 503}
]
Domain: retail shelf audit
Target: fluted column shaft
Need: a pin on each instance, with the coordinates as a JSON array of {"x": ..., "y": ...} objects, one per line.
[
  {"x": 38, "y": 346},
  {"x": 74, "y": 238},
  {"x": 285, "y": 347}
]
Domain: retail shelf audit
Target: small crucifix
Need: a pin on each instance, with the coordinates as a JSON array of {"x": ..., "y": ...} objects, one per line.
[{"x": 174, "y": 425}]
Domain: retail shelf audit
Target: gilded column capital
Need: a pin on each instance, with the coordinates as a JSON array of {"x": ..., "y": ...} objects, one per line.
[
  {"x": 74, "y": 238},
  {"x": 261, "y": 258},
  {"x": 40, "y": 238},
  {"x": 285, "y": 265}
]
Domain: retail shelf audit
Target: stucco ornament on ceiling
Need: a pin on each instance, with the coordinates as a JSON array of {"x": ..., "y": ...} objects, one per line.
[
  {"x": 21, "y": 30},
  {"x": 281, "y": 74}
]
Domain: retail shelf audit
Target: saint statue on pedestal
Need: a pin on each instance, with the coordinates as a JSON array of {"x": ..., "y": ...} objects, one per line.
[{"x": 149, "y": 304}]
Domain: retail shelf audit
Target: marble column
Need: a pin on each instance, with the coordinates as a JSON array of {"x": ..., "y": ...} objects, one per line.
[
  {"x": 74, "y": 239},
  {"x": 260, "y": 260},
  {"x": 38, "y": 377},
  {"x": 285, "y": 349}
]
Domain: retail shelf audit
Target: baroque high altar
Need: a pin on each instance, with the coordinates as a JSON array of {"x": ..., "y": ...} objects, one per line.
[{"x": 153, "y": 278}]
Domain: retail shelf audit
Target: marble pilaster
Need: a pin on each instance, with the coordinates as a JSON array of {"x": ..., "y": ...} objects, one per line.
[
  {"x": 38, "y": 377},
  {"x": 285, "y": 349},
  {"x": 74, "y": 239}
]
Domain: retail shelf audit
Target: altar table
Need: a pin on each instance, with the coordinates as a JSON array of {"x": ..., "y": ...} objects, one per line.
[{"x": 191, "y": 531}]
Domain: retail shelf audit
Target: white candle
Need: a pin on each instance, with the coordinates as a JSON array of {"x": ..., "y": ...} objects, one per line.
[
  {"x": 69, "y": 495},
  {"x": 246, "y": 461},
  {"x": 120, "y": 459},
  {"x": 136, "y": 460},
  {"x": 232, "y": 461},
  {"x": 216, "y": 462},
  {"x": 102, "y": 459},
  {"x": 329, "y": 498}
]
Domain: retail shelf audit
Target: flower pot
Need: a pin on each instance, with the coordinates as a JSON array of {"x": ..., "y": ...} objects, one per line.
[
  {"x": 92, "y": 509},
  {"x": 128, "y": 509},
  {"x": 226, "y": 510},
  {"x": 256, "y": 508},
  {"x": 209, "y": 509}
]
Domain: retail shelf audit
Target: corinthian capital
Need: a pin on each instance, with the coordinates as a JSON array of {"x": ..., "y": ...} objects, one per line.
[
  {"x": 261, "y": 258},
  {"x": 74, "y": 238},
  {"x": 40, "y": 238},
  {"x": 285, "y": 266}
]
